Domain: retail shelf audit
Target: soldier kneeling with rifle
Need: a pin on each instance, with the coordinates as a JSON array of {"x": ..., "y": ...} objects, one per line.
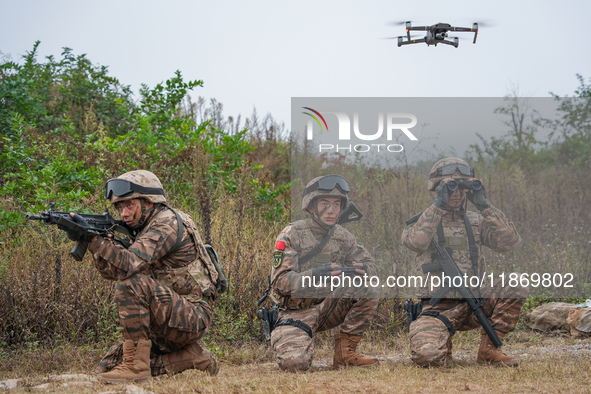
[
  {"x": 448, "y": 242},
  {"x": 166, "y": 279},
  {"x": 306, "y": 253}
]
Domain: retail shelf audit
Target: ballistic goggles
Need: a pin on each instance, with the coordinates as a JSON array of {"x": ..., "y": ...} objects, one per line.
[
  {"x": 122, "y": 188},
  {"x": 450, "y": 169},
  {"x": 327, "y": 183}
]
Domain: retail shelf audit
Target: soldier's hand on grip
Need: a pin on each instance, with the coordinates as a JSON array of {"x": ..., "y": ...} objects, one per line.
[
  {"x": 361, "y": 268},
  {"x": 327, "y": 269},
  {"x": 442, "y": 195},
  {"x": 74, "y": 234},
  {"x": 478, "y": 198}
]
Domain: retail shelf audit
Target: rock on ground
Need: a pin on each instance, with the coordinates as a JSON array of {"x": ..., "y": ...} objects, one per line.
[
  {"x": 8, "y": 384},
  {"x": 550, "y": 317}
]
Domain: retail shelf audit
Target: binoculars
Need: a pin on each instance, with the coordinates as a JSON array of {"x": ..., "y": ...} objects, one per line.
[{"x": 464, "y": 184}]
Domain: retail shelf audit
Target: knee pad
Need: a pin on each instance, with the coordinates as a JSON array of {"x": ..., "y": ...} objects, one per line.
[
  {"x": 293, "y": 347},
  {"x": 428, "y": 342},
  {"x": 295, "y": 364}
]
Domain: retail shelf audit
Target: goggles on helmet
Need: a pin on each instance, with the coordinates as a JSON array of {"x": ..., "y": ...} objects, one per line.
[
  {"x": 327, "y": 183},
  {"x": 450, "y": 169},
  {"x": 122, "y": 188}
]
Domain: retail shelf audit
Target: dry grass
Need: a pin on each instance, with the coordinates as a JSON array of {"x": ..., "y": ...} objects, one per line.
[{"x": 549, "y": 364}]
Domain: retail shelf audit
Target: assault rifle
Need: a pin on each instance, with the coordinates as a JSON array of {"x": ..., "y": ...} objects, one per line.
[
  {"x": 449, "y": 267},
  {"x": 84, "y": 227}
]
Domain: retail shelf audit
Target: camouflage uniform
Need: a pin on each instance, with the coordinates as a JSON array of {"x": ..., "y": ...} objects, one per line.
[
  {"x": 430, "y": 340},
  {"x": 351, "y": 308},
  {"x": 161, "y": 295}
]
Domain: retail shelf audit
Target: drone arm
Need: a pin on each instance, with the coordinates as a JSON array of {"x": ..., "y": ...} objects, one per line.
[
  {"x": 401, "y": 43},
  {"x": 453, "y": 43},
  {"x": 462, "y": 29},
  {"x": 466, "y": 29}
]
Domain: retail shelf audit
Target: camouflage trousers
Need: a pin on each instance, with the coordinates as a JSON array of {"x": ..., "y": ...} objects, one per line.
[
  {"x": 294, "y": 347},
  {"x": 430, "y": 339},
  {"x": 149, "y": 310}
]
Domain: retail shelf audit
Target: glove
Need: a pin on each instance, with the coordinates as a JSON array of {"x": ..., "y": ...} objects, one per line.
[
  {"x": 364, "y": 267},
  {"x": 442, "y": 195},
  {"x": 323, "y": 270},
  {"x": 478, "y": 198},
  {"x": 77, "y": 235}
]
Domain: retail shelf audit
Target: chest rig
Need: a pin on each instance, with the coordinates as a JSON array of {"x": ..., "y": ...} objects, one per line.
[
  {"x": 314, "y": 253},
  {"x": 458, "y": 242}
]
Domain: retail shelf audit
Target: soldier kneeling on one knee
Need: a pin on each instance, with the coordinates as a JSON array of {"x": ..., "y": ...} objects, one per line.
[
  {"x": 166, "y": 285},
  {"x": 465, "y": 233},
  {"x": 308, "y": 252}
]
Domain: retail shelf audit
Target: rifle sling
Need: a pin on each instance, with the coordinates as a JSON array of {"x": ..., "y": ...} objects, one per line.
[
  {"x": 318, "y": 248},
  {"x": 179, "y": 237},
  {"x": 472, "y": 245},
  {"x": 471, "y": 242}
]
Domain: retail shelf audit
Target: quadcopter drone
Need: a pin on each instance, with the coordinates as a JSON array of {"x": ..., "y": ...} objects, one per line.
[{"x": 436, "y": 34}]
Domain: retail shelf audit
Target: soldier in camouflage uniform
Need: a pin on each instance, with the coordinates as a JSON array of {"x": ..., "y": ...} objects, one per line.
[
  {"x": 349, "y": 308},
  {"x": 430, "y": 339},
  {"x": 164, "y": 287}
]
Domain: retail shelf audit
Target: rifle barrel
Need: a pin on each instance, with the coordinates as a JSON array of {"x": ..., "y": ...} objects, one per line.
[{"x": 35, "y": 217}]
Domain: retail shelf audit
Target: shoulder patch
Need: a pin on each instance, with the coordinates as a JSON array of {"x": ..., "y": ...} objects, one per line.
[
  {"x": 278, "y": 259},
  {"x": 280, "y": 245}
]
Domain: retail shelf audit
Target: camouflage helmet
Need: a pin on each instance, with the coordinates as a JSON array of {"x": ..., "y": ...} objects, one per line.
[
  {"x": 329, "y": 186},
  {"x": 451, "y": 167},
  {"x": 135, "y": 184}
]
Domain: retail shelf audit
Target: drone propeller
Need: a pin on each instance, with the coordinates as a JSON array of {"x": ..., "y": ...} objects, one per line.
[
  {"x": 486, "y": 23},
  {"x": 478, "y": 25},
  {"x": 397, "y": 23}
]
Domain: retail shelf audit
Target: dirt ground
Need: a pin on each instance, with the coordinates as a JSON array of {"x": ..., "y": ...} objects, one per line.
[{"x": 549, "y": 364}]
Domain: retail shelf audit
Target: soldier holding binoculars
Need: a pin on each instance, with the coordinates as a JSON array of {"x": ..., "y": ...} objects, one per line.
[{"x": 464, "y": 232}]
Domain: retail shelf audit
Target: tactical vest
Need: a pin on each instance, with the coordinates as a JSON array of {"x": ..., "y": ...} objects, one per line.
[
  {"x": 302, "y": 242},
  {"x": 194, "y": 281}
]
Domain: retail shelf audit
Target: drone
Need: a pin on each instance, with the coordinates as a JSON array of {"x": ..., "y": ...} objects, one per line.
[{"x": 436, "y": 34}]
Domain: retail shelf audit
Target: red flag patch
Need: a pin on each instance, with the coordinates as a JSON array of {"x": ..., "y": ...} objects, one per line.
[{"x": 280, "y": 245}]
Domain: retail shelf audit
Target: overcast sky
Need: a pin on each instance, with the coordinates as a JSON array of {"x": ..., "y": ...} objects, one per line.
[{"x": 261, "y": 53}]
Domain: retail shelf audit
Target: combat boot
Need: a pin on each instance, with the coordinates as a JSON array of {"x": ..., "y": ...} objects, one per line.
[
  {"x": 345, "y": 347},
  {"x": 193, "y": 355},
  {"x": 135, "y": 366},
  {"x": 489, "y": 354}
]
